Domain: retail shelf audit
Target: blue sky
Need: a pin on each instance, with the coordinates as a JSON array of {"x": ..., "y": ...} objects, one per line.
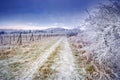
[{"x": 43, "y": 13}]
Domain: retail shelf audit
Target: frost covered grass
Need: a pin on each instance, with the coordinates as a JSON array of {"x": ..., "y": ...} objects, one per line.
[
  {"x": 84, "y": 59},
  {"x": 50, "y": 59},
  {"x": 93, "y": 67},
  {"x": 18, "y": 61},
  {"x": 45, "y": 71},
  {"x": 59, "y": 65}
]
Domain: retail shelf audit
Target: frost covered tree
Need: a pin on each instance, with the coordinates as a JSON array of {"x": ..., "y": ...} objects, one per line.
[{"x": 105, "y": 22}]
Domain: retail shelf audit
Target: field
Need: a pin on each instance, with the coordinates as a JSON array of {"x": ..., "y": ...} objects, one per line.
[
  {"x": 49, "y": 58},
  {"x": 59, "y": 40}
]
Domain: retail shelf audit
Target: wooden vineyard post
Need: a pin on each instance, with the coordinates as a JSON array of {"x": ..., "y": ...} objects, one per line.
[
  {"x": 39, "y": 37},
  {"x": 32, "y": 38},
  {"x": 19, "y": 41},
  {"x": 1, "y": 39},
  {"x": 10, "y": 39},
  {"x": 14, "y": 37}
]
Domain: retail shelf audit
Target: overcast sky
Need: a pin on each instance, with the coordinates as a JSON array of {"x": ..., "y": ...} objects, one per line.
[{"x": 43, "y": 13}]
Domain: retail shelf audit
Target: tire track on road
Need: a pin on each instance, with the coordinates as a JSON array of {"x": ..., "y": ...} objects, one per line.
[
  {"x": 59, "y": 66},
  {"x": 40, "y": 61}
]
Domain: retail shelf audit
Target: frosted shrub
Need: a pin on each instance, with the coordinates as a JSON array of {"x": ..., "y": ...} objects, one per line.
[{"x": 105, "y": 23}]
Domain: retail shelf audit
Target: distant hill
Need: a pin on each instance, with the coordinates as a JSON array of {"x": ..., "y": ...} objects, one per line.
[{"x": 49, "y": 30}]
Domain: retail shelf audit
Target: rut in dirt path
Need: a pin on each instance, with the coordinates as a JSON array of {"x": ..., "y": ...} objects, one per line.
[
  {"x": 59, "y": 66},
  {"x": 40, "y": 61},
  {"x": 66, "y": 63}
]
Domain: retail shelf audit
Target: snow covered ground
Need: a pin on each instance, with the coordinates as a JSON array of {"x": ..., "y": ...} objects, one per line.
[
  {"x": 51, "y": 59},
  {"x": 60, "y": 65}
]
